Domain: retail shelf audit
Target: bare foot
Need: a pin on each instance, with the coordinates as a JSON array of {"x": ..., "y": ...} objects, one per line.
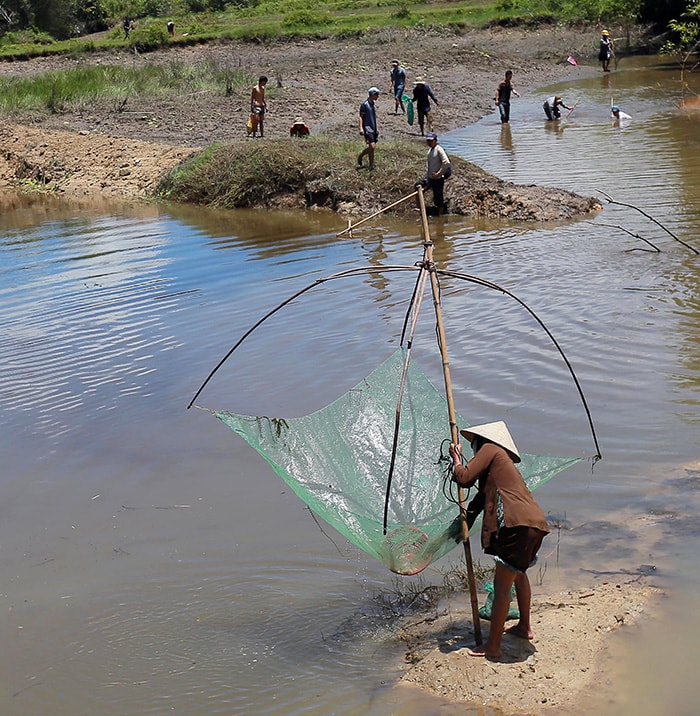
[
  {"x": 517, "y": 630},
  {"x": 482, "y": 650}
]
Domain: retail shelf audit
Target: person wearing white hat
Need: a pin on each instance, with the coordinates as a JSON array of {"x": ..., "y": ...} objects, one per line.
[
  {"x": 422, "y": 94},
  {"x": 551, "y": 107},
  {"x": 513, "y": 525},
  {"x": 368, "y": 126},
  {"x": 397, "y": 84}
]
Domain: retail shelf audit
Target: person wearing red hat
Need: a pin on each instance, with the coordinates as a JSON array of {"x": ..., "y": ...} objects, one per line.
[{"x": 513, "y": 525}]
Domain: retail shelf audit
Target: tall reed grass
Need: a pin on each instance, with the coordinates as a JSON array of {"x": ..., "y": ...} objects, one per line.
[{"x": 56, "y": 91}]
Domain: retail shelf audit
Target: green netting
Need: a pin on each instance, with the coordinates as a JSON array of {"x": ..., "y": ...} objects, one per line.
[{"x": 337, "y": 461}]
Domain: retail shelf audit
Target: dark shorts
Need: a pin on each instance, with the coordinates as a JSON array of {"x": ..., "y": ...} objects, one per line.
[
  {"x": 371, "y": 136},
  {"x": 516, "y": 547}
]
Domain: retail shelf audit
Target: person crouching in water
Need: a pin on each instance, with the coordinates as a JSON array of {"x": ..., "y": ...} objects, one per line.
[
  {"x": 513, "y": 525},
  {"x": 439, "y": 169},
  {"x": 551, "y": 107}
]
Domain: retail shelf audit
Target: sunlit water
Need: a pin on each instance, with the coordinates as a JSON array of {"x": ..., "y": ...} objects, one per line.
[{"x": 152, "y": 563}]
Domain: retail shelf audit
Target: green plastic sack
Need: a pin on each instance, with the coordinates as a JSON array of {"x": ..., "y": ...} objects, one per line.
[
  {"x": 409, "y": 108},
  {"x": 485, "y": 611}
]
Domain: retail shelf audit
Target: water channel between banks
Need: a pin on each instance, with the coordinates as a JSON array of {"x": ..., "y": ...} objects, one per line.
[{"x": 153, "y": 564}]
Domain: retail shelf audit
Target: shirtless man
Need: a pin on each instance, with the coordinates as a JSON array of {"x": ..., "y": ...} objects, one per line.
[{"x": 258, "y": 106}]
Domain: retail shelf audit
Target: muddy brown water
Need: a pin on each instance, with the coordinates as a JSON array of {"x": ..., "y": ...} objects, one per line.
[{"x": 152, "y": 563}]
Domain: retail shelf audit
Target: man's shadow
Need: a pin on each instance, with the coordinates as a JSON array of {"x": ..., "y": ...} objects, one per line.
[{"x": 514, "y": 648}]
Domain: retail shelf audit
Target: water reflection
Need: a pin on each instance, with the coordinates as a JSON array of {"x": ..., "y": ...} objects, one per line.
[{"x": 151, "y": 561}]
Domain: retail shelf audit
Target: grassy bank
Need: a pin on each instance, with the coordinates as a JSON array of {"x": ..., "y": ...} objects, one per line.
[
  {"x": 83, "y": 87},
  {"x": 315, "y": 171},
  {"x": 321, "y": 172}
]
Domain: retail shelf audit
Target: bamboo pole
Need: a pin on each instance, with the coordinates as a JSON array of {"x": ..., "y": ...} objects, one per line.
[
  {"x": 376, "y": 213},
  {"x": 454, "y": 432}
]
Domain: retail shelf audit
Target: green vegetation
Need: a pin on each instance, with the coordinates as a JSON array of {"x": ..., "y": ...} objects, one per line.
[
  {"x": 36, "y": 27},
  {"x": 84, "y": 87},
  {"x": 686, "y": 30},
  {"x": 317, "y": 170}
]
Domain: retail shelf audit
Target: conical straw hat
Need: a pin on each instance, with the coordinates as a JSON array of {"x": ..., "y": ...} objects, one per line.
[{"x": 495, "y": 432}]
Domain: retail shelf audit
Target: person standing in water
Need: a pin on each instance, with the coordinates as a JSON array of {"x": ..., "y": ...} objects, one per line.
[
  {"x": 513, "y": 525},
  {"x": 551, "y": 107},
  {"x": 619, "y": 117},
  {"x": 502, "y": 97},
  {"x": 607, "y": 50}
]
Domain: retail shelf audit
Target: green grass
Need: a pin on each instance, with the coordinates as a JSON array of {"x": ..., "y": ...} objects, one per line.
[
  {"x": 56, "y": 91},
  {"x": 322, "y": 169},
  {"x": 268, "y": 20}
]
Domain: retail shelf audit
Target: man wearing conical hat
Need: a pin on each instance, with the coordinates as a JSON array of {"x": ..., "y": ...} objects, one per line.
[{"x": 513, "y": 525}]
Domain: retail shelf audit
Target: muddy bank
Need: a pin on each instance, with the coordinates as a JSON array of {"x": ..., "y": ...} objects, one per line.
[{"x": 125, "y": 150}]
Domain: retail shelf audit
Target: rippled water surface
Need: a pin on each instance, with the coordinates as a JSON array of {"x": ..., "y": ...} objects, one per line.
[{"x": 152, "y": 563}]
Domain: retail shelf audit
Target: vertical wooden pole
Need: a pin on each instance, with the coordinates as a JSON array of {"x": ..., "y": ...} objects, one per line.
[{"x": 454, "y": 432}]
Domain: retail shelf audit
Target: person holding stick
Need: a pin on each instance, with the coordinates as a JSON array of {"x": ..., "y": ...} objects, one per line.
[
  {"x": 607, "y": 50},
  {"x": 551, "y": 107},
  {"x": 513, "y": 525}
]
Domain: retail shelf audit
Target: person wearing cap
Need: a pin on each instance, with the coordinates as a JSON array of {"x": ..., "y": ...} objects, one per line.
[
  {"x": 439, "y": 169},
  {"x": 397, "y": 84},
  {"x": 502, "y": 96},
  {"x": 368, "y": 126},
  {"x": 619, "y": 117},
  {"x": 607, "y": 50},
  {"x": 422, "y": 94},
  {"x": 513, "y": 525},
  {"x": 551, "y": 107},
  {"x": 299, "y": 128}
]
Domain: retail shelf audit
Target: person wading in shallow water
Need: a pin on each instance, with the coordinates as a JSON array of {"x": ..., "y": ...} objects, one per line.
[
  {"x": 502, "y": 98},
  {"x": 513, "y": 526},
  {"x": 551, "y": 107}
]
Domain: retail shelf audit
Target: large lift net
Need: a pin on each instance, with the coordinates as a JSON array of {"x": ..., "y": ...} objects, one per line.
[{"x": 337, "y": 460}]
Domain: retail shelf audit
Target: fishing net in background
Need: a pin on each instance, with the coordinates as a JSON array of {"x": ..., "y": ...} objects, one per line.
[{"x": 337, "y": 461}]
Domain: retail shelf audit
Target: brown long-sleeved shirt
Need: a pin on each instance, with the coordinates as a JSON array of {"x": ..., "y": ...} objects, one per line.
[{"x": 496, "y": 473}]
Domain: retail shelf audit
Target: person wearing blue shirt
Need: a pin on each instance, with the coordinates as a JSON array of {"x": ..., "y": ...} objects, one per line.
[
  {"x": 368, "y": 126},
  {"x": 397, "y": 84}
]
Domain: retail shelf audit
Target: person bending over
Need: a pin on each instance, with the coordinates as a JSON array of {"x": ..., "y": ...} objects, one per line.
[{"x": 513, "y": 525}]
